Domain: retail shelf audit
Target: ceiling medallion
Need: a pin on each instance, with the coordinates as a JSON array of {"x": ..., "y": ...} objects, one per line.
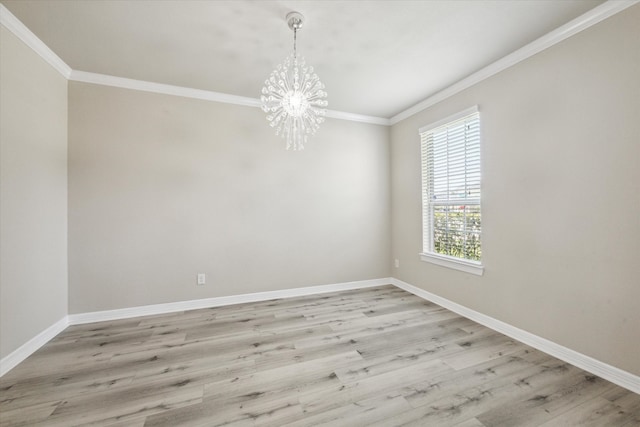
[{"x": 293, "y": 96}]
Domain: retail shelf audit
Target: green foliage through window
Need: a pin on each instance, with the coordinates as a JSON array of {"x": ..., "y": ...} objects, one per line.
[{"x": 457, "y": 231}]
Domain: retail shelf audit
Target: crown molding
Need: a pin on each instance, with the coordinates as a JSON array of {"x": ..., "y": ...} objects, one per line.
[
  {"x": 145, "y": 86},
  {"x": 592, "y": 17},
  {"x": 588, "y": 19},
  {"x": 121, "y": 82},
  {"x": 13, "y": 24},
  {"x": 358, "y": 118}
]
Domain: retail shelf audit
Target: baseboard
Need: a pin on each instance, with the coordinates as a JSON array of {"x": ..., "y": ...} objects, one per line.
[
  {"x": 589, "y": 364},
  {"x": 27, "y": 349},
  {"x": 596, "y": 367},
  {"x": 12, "y": 360},
  {"x": 124, "y": 313}
]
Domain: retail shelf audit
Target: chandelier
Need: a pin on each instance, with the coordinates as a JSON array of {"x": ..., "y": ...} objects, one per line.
[{"x": 293, "y": 96}]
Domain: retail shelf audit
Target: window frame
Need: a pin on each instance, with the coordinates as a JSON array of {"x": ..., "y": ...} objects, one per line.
[{"x": 428, "y": 254}]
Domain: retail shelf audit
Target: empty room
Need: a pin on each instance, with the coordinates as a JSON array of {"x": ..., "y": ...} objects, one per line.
[{"x": 305, "y": 213}]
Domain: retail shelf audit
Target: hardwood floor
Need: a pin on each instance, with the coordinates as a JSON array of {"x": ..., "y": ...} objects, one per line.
[{"x": 375, "y": 357}]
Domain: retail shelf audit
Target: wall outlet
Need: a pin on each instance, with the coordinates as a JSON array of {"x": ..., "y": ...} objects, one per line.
[
  {"x": 396, "y": 262},
  {"x": 202, "y": 279}
]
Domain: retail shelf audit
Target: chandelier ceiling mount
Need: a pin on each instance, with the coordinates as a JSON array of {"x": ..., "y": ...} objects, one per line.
[{"x": 295, "y": 20}]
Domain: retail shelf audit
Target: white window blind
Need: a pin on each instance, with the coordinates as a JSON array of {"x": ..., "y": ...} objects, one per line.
[{"x": 451, "y": 187}]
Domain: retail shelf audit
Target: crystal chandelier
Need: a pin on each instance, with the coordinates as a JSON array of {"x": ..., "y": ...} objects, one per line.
[{"x": 293, "y": 97}]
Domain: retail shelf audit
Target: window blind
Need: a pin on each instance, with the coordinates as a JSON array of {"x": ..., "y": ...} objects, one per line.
[{"x": 451, "y": 187}]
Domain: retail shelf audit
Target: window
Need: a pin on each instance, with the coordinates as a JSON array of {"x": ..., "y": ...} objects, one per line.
[{"x": 451, "y": 220}]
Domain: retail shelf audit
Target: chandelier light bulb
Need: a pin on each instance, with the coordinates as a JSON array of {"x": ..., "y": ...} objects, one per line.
[{"x": 293, "y": 96}]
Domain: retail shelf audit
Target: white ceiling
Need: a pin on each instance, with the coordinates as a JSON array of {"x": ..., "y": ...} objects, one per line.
[{"x": 376, "y": 58}]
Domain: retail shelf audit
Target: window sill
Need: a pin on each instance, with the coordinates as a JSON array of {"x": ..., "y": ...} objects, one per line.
[{"x": 453, "y": 263}]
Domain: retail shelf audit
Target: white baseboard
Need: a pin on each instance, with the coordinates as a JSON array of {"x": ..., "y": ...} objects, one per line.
[
  {"x": 589, "y": 364},
  {"x": 27, "y": 349},
  {"x": 601, "y": 369},
  {"x": 12, "y": 360},
  {"x": 146, "y": 310}
]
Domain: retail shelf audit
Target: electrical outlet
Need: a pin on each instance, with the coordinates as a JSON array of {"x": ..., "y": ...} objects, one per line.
[
  {"x": 396, "y": 262},
  {"x": 202, "y": 279}
]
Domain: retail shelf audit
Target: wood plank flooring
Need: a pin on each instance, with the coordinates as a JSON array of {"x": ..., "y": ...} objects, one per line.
[{"x": 369, "y": 357}]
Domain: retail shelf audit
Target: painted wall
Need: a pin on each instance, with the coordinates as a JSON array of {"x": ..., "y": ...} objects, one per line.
[
  {"x": 162, "y": 188},
  {"x": 33, "y": 194},
  {"x": 561, "y": 195}
]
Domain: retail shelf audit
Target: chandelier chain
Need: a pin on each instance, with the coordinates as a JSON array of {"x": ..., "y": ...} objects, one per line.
[{"x": 295, "y": 39}]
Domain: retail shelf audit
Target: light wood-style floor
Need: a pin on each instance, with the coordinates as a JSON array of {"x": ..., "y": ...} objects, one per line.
[{"x": 370, "y": 357}]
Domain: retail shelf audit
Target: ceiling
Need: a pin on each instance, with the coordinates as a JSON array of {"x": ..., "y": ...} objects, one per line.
[{"x": 376, "y": 58}]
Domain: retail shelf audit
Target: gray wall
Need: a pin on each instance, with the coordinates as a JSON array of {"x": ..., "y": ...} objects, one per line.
[
  {"x": 33, "y": 194},
  {"x": 162, "y": 188},
  {"x": 561, "y": 203}
]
